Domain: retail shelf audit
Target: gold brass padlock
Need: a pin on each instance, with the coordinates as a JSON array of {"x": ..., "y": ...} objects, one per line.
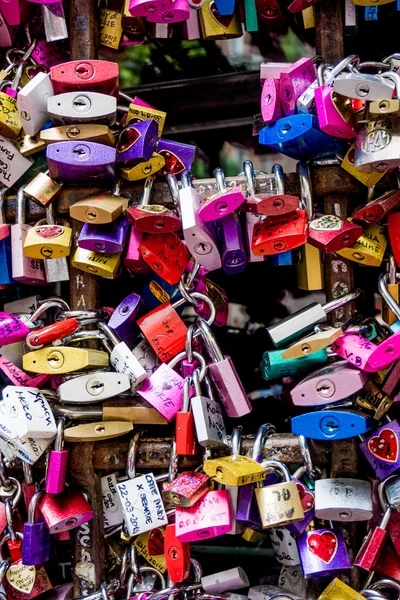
[
  {"x": 217, "y": 27},
  {"x": 110, "y": 28},
  {"x": 368, "y": 179},
  {"x": 143, "y": 169},
  {"x": 29, "y": 144},
  {"x": 279, "y": 504},
  {"x": 310, "y": 269},
  {"x": 48, "y": 240},
  {"x": 43, "y": 190},
  {"x": 10, "y": 123},
  {"x": 104, "y": 265},
  {"x": 370, "y": 248},
  {"x": 93, "y": 432},
  {"x": 312, "y": 343},
  {"x": 101, "y": 134},
  {"x": 385, "y": 107},
  {"x": 251, "y": 535},
  {"x": 234, "y": 470},
  {"x": 63, "y": 359},
  {"x": 372, "y": 398},
  {"x": 143, "y": 113}
]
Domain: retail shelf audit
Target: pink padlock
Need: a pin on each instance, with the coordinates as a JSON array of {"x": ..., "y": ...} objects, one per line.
[
  {"x": 146, "y": 8},
  {"x": 133, "y": 261},
  {"x": 385, "y": 352},
  {"x": 270, "y": 101},
  {"x": 58, "y": 462},
  {"x": 334, "y": 112},
  {"x": 7, "y": 33},
  {"x": 356, "y": 350},
  {"x": 209, "y": 517},
  {"x": 178, "y": 12},
  {"x": 15, "y": 12},
  {"x": 293, "y": 81},
  {"x": 12, "y": 329},
  {"x": 19, "y": 377},
  {"x": 191, "y": 27},
  {"x": 224, "y": 202},
  {"x": 49, "y": 55}
]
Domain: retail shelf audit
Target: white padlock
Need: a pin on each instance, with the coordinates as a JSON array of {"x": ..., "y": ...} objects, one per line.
[
  {"x": 32, "y": 103},
  {"x": 112, "y": 510},
  {"x": 93, "y": 387},
  {"x": 82, "y": 107},
  {"x": 29, "y": 412},
  {"x": 122, "y": 359},
  {"x": 284, "y": 546},
  {"x": 231, "y": 579}
]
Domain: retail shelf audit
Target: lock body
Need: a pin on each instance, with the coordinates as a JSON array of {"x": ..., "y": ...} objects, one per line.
[
  {"x": 382, "y": 449},
  {"x": 343, "y": 499},
  {"x": 141, "y": 504},
  {"x": 166, "y": 255},
  {"x": 92, "y": 75},
  {"x": 331, "y": 424},
  {"x": 63, "y": 512},
  {"x": 74, "y": 162},
  {"x": 323, "y": 552},
  {"x": 63, "y": 359},
  {"x": 208, "y": 518}
]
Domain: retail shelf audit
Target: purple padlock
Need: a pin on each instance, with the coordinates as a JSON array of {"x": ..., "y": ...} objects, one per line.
[
  {"x": 123, "y": 320},
  {"x": 36, "y": 548},
  {"x": 164, "y": 389},
  {"x": 233, "y": 253},
  {"x": 81, "y": 162},
  {"x": 323, "y": 552},
  {"x": 49, "y": 55},
  {"x": 178, "y": 12},
  {"x": 178, "y": 157},
  {"x": 104, "y": 238},
  {"x": 137, "y": 142},
  {"x": 145, "y": 8},
  {"x": 381, "y": 449}
]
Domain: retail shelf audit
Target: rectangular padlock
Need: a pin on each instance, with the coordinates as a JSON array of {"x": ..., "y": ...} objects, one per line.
[
  {"x": 71, "y": 108},
  {"x": 141, "y": 504}
]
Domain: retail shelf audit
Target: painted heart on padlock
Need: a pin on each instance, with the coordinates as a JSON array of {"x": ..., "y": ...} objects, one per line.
[
  {"x": 156, "y": 542},
  {"x": 173, "y": 164},
  {"x": 21, "y": 577},
  {"x": 385, "y": 446},
  {"x": 224, "y": 21},
  {"x": 127, "y": 139},
  {"x": 324, "y": 545},
  {"x": 306, "y": 498},
  {"x": 49, "y": 232}
]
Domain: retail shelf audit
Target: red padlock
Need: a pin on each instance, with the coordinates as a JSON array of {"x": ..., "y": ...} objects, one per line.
[
  {"x": 166, "y": 254},
  {"x": 185, "y": 432},
  {"x": 164, "y": 330},
  {"x": 394, "y": 234},
  {"x": 152, "y": 218},
  {"x": 270, "y": 13},
  {"x": 41, "y": 337},
  {"x": 268, "y": 204},
  {"x": 177, "y": 556},
  {"x": 90, "y": 75},
  {"x": 330, "y": 233},
  {"x": 375, "y": 210},
  {"x": 278, "y": 234}
]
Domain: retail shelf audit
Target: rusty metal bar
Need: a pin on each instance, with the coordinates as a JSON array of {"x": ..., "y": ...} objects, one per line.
[{"x": 329, "y": 30}]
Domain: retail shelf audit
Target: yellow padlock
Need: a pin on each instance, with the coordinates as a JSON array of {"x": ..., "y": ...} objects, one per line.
[
  {"x": 338, "y": 590},
  {"x": 217, "y": 27},
  {"x": 104, "y": 265},
  {"x": 372, "y": 2},
  {"x": 143, "y": 169},
  {"x": 136, "y": 113},
  {"x": 312, "y": 343},
  {"x": 48, "y": 241},
  {"x": 231, "y": 470},
  {"x": 29, "y": 144},
  {"x": 370, "y": 248},
  {"x": 110, "y": 28},
  {"x": 10, "y": 123},
  {"x": 310, "y": 269},
  {"x": 368, "y": 179},
  {"x": 63, "y": 359}
]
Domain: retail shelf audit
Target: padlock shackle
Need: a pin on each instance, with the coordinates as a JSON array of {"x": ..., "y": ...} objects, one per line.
[
  {"x": 173, "y": 188},
  {"x": 384, "y": 292},
  {"x": 148, "y": 186},
  {"x": 112, "y": 335},
  {"x": 172, "y": 363},
  {"x": 249, "y": 177},
  {"x": 210, "y": 340},
  {"x": 220, "y": 179},
  {"x": 278, "y": 466},
  {"x": 20, "y": 208},
  {"x": 33, "y": 505},
  {"x": 306, "y": 202},
  {"x": 185, "y": 394},
  {"x": 59, "y": 441},
  {"x": 262, "y": 433},
  {"x": 51, "y": 303},
  {"x": 395, "y": 77},
  {"x": 338, "y": 302},
  {"x": 236, "y": 441},
  {"x": 277, "y": 171},
  {"x": 186, "y": 179}
]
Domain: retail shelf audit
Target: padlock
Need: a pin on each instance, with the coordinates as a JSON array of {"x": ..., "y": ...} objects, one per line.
[
  {"x": 313, "y": 343},
  {"x": 93, "y": 388},
  {"x": 111, "y": 32},
  {"x": 271, "y": 109},
  {"x": 66, "y": 511},
  {"x": 274, "y": 366},
  {"x": 343, "y": 499},
  {"x": 101, "y": 134},
  {"x": 42, "y": 189},
  {"x": 224, "y": 581},
  {"x": 178, "y": 157},
  {"x": 10, "y": 122},
  {"x": 301, "y": 322},
  {"x": 48, "y": 55},
  {"x": 186, "y": 489},
  {"x": 13, "y": 164},
  {"x": 100, "y": 208},
  {"x": 29, "y": 411},
  {"x": 216, "y": 27},
  {"x": 381, "y": 449},
  {"x": 334, "y": 111},
  {"x": 208, "y": 419},
  {"x": 372, "y": 398},
  {"x": 375, "y": 145},
  {"x": 123, "y": 320},
  {"x": 280, "y": 233},
  {"x": 293, "y": 81},
  {"x": 123, "y": 360},
  {"x": 89, "y": 75},
  {"x": 133, "y": 262},
  {"x": 364, "y": 86},
  {"x": 234, "y": 470},
  {"x": 370, "y": 247},
  {"x": 82, "y": 108},
  {"x": 368, "y": 179},
  {"x": 338, "y": 590},
  {"x": 108, "y": 240},
  {"x": 323, "y": 552},
  {"x": 36, "y": 548},
  {"x": 57, "y": 463},
  {"x": 199, "y": 236},
  {"x": 330, "y": 233},
  {"x": 24, "y": 269},
  {"x": 299, "y": 137},
  {"x": 328, "y": 384},
  {"x": 32, "y": 103},
  {"x": 268, "y": 204},
  {"x": 224, "y": 202},
  {"x": 185, "y": 437},
  {"x": 45, "y": 335},
  {"x": 166, "y": 254},
  {"x": 73, "y": 162},
  {"x": 137, "y": 142},
  {"x": 218, "y": 297},
  {"x": 48, "y": 240},
  {"x": 365, "y": 354},
  {"x": 63, "y": 359},
  {"x": 331, "y": 424},
  {"x": 284, "y": 546},
  {"x": 112, "y": 510},
  {"x": 279, "y": 504},
  {"x": 233, "y": 254},
  {"x": 14, "y": 12},
  {"x": 139, "y": 111},
  {"x": 208, "y": 518},
  {"x": 93, "y": 432},
  {"x": 104, "y": 265},
  {"x": 176, "y": 13},
  {"x": 144, "y": 8},
  {"x": 141, "y": 504},
  {"x": 377, "y": 209},
  {"x": 152, "y": 218},
  {"x": 224, "y": 376},
  {"x": 143, "y": 170},
  {"x": 177, "y": 556}
]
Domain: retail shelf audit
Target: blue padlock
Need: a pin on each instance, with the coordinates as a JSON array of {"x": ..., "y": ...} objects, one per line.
[
  {"x": 299, "y": 137},
  {"x": 283, "y": 259},
  {"x": 5, "y": 261},
  {"x": 225, "y": 7},
  {"x": 156, "y": 291},
  {"x": 332, "y": 424}
]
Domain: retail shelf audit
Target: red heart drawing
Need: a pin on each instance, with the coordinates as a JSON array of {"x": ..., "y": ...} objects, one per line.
[
  {"x": 49, "y": 231},
  {"x": 324, "y": 545},
  {"x": 306, "y": 497},
  {"x": 127, "y": 139},
  {"x": 156, "y": 542},
  {"x": 385, "y": 445},
  {"x": 173, "y": 164},
  {"x": 224, "y": 21}
]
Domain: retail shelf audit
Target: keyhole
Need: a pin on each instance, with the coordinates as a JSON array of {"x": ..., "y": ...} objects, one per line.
[{"x": 100, "y": 429}]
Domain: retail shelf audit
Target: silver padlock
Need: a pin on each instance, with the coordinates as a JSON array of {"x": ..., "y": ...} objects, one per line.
[
  {"x": 284, "y": 546},
  {"x": 292, "y": 580},
  {"x": 93, "y": 387},
  {"x": 343, "y": 499},
  {"x": 231, "y": 579},
  {"x": 377, "y": 145},
  {"x": 32, "y": 103},
  {"x": 122, "y": 359},
  {"x": 393, "y": 491},
  {"x": 146, "y": 356},
  {"x": 270, "y": 592},
  {"x": 112, "y": 510},
  {"x": 55, "y": 25},
  {"x": 208, "y": 419},
  {"x": 82, "y": 107},
  {"x": 363, "y": 86}
]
